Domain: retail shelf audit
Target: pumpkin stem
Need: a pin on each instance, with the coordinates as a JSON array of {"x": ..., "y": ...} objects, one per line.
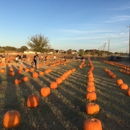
[{"x": 93, "y": 119}]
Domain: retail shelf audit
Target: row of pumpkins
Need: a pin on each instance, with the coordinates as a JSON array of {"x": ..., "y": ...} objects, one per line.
[
  {"x": 12, "y": 118},
  {"x": 119, "y": 82},
  {"x": 19, "y": 71},
  {"x": 123, "y": 68},
  {"x": 91, "y": 108}
]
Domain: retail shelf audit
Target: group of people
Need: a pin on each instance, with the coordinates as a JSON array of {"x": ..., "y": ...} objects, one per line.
[
  {"x": 80, "y": 58},
  {"x": 36, "y": 60}
]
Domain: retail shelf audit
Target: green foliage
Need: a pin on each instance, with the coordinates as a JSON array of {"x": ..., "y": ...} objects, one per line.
[
  {"x": 81, "y": 52},
  {"x": 39, "y": 43}
]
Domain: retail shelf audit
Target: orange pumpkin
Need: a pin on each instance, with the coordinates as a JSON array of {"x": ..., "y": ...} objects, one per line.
[
  {"x": 31, "y": 69},
  {"x": 90, "y": 89},
  {"x": 11, "y": 73},
  {"x": 10, "y": 69},
  {"x": 124, "y": 86},
  {"x": 27, "y": 70},
  {"x": 59, "y": 80},
  {"x": 63, "y": 77},
  {"x": 25, "y": 78},
  {"x": 35, "y": 75},
  {"x": 45, "y": 91},
  {"x": 92, "y": 108},
  {"x": 113, "y": 76},
  {"x": 128, "y": 92},
  {"x": 91, "y": 96},
  {"x": 91, "y": 79},
  {"x": 12, "y": 119},
  {"x": 80, "y": 66},
  {"x": 19, "y": 71},
  {"x": 41, "y": 73},
  {"x": 73, "y": 70},
  {"x": 20, "y": 67},
  {"x": 90, "y": 83},
  {"x": 17, "y": 81},
  {"x": 92, "y": 124},
  {"x": 53, "y": 85},
  {"x": 32, "y": 100},
  {"x": 119, "y": 81},
  {"x": 90, "y": 74}
]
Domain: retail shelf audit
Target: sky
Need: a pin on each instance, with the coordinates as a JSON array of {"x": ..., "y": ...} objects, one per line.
[{"x": 68, "y": 24}]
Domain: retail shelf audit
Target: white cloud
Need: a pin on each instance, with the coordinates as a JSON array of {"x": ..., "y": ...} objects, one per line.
[{"x": 119, "y": 18}]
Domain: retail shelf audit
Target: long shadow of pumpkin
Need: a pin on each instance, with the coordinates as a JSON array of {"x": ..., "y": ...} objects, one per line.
[{"x": 45, "y": 114}]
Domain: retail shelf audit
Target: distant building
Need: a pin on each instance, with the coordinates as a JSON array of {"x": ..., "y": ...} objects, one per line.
[
  {"x": 74, "y": 52},
  {"x": 30, "y": 52}
]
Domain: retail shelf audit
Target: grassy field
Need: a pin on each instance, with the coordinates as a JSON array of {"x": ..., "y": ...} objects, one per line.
[{"x": 64, "y": 108}]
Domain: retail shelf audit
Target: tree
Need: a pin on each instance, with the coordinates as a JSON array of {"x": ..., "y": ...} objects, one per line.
[
  {"x": 69, "y": 51},
  {"x": 23, "y": 48},
  {"x": 39, "y": 43},
  {"x": 81, "y": 52}
]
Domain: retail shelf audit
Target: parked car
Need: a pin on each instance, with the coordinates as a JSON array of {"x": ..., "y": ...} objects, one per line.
[{"x": 115, "y": 58}]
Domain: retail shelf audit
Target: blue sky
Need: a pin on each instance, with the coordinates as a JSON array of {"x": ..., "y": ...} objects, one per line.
[{"x": 69, "y": 24}]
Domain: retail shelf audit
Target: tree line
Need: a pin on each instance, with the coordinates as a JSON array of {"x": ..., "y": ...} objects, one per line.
[{"x": 40, "y": 43}]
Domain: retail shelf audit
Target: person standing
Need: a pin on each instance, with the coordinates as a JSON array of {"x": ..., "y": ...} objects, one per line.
[
  {"x": 20, "y": 59},
  {"x": 36, "y": 60},
  {"x": 54, "y": 57},
  {"x": 3, "y": 59}
]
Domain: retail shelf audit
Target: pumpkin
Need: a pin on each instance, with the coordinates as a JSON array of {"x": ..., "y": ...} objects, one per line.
[
  {"x": 19, "y": 71},
  {"x": 25, "y": 78},
  {"x": 63, "y": 77},
  {"x": 90, "y": 83},
  {"x": 31, "y": 69},
  {"x": 90, "y": 89},
  {"x": 17, "y": 81},
  {"x": 91, "y": 79},
  {"x": 92, "y": 124},
  {"x": 113, "y": 76},
  {"x": 27, "y": 70},
  {"x": 90, "y": 74},
  {"x": 35, "y": 75},
  {"x": 110, "y": 73},
  {"x": 45, "y": 91},
  {"x": 10, "y": 69},
  {"x": 105, "y": 69},
  {"x": 74, "y": 69},
  {"x": 92, "y": 108},
  {"x": 12, "y": 119},
  {"x": 91, "y": 96},
  {"x": 41, "y": 73},
  {"x": 53, "y": 85},
  {"x": 121, "y": 70},
  {"x": 128, "y": 92},
  {"x": 59, "y": 80},
  {"x": 20, "y": 68},
  {"x": 11, "y": 73},
  {"x": 119, "y": 81},
  {"x": 80, "y": 66},
  {"x": 32, "y": 100},
  {"x": 124, "y": 86},
  {"x": 2, "y": 70}
]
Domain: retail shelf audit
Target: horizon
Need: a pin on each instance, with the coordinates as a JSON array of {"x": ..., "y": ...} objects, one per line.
[{"x": 68, "y": 24}]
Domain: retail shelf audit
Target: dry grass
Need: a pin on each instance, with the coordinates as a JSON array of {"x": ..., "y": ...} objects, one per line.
[{"x": 64, "y": 109}]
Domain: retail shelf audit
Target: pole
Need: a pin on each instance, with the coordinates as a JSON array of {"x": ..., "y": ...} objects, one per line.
[{"x": 129, "y": 42}]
